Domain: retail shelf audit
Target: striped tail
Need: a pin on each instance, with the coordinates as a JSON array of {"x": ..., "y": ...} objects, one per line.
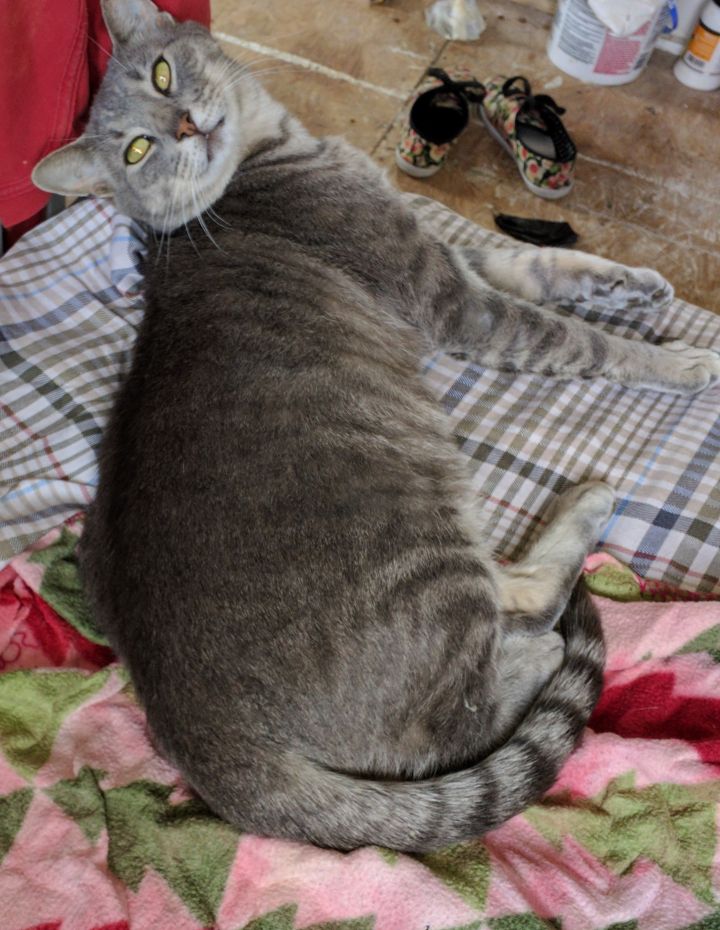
[{"x": 341, "y": 811}]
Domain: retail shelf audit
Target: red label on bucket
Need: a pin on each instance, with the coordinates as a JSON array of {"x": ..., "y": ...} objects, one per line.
[
  {"x": 581, "y": 45},
  {"x": 617, "y": 56}
]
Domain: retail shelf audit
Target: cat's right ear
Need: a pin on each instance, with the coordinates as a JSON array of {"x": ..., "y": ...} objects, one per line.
[
  {"x": 73, "y": 170},
  {"x": 127, "y": 19}
]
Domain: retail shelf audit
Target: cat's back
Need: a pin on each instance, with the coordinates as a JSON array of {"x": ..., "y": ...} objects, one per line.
[
  {"x": 276, "y": 491},
  {"x": 331, "y": 201},
  {"x": 273, "y": 429}
]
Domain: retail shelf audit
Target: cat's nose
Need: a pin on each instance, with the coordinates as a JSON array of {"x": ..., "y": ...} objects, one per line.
[{"x": 186, "y": 127}]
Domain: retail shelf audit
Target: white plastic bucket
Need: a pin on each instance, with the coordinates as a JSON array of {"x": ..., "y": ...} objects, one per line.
[{"x": 582, "y": 46}]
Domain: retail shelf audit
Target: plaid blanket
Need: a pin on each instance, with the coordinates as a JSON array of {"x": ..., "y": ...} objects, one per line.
[
  {"x": 69, "y": 307},
  {"x": 97, "y": 832},
  {"x": 69, "y": 310}
]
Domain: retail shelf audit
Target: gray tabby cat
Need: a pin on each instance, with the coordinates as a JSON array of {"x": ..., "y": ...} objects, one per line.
[{"x": 284, "y": 549}]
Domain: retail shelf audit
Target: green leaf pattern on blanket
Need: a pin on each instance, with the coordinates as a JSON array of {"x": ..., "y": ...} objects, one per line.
[
  {"x": 61, "y": 586},
  {"x": 711, "y": 922},
  {"x": 466, "y": 868},
  {"x": 185, "y": 843},
  {"x": 13, "y": 808},
  {"x": 709, "y": 642},
  {"x": 522, "y": 922},
  {"x": 82, "y": 799},
  {"x": 672, "y": 825},
  {"x": 284, "y": 919},
  {"x": 33, "y": 706}
]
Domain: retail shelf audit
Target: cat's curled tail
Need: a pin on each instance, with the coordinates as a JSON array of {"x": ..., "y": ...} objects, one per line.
[{"x": 343, "y": 811}]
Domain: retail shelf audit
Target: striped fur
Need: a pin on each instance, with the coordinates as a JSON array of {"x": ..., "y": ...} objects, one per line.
[{"x": 284, "y": 548}]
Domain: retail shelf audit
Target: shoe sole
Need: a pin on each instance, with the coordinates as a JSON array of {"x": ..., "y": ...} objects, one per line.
[
  {"x": 547, "y": 193},
  {"x": 413, "y": 170}
]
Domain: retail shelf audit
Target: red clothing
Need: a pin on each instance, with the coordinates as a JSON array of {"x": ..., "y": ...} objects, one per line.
[{"x": 54, "y": 54}]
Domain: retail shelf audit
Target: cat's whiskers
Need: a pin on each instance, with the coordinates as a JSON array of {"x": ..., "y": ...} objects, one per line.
[
  {"x": 216, "y": 218},
  {"x": 247, "y": 63},
  {"x": 169, "y": 236},
  {"x": 167, "y": 229},
  {"x": 160, "y": 246},
  {"x": 184, "y": 176},
  {"x": 228, "y": 67},
  {"x": 85, "y": 135},
  {"x": 282, "y": 69},
  {"x": 192, "y": 241},
  {"x": 203, "y": 225},
  {"x": 162, "y": 234},
  {"x": 249, "y": 66},
  {"x": 265, "y": 73},
  {"x": 277, "y": 37},
  {"x": 102, "y": 48}
]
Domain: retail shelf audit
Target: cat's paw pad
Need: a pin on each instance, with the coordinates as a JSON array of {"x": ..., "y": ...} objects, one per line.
[
  {"x": 638, "y": 288},
  {"x": 690, "y": 368}
]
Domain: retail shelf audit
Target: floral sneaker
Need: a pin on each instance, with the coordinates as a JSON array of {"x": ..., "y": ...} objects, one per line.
[
  {"x": 438, "y": 115},
  {"x": 530, "y": 129}
]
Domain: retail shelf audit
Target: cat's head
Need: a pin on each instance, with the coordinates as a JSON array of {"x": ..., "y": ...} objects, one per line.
[{"x": 168, "y": 126}]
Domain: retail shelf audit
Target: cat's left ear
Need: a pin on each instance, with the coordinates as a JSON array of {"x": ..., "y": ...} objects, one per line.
[
  {"x": 74, "y": 170},
  {"x": 129, "y": 20}
]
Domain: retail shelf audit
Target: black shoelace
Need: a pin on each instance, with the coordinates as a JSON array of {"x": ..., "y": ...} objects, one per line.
[
  {"x": 549, "y": 112},
  {"x": 473, "y": 91}
]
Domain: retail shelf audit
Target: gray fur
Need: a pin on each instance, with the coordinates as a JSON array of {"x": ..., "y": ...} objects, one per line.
[{"x": 284, "y": 548}]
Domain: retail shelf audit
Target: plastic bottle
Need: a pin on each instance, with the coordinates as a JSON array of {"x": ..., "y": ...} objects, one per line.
[
  {"x": 456, "y": 19},
  {"x": 699, "y": 65}
]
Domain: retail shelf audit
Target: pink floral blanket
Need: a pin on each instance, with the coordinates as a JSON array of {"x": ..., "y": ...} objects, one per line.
[{"x": 97, "y": 832}]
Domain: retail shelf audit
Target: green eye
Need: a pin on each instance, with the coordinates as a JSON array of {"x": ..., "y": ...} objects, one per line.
[
  {"x": 137, "y": 150},
  {"x": 161, "y": 76}
]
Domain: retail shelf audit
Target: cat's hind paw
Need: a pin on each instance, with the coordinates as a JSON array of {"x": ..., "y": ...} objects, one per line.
[{"x": 619, "y": 287}]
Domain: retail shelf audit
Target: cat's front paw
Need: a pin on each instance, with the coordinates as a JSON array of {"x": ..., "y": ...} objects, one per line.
[
  {"x": 594, "y": 499},
  {"x": 690, "y": 369},
  {"x": 618, "y": 287}
]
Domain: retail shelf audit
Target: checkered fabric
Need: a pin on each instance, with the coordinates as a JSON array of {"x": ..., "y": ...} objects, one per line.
[{"x": 69, "y": 308}]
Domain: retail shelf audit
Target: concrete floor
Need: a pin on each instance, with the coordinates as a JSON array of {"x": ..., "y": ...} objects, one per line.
[{"x": 647, "y": 188}]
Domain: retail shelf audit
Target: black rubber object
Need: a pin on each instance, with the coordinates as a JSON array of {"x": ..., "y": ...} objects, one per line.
[{"x": 538, "y": 232}]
